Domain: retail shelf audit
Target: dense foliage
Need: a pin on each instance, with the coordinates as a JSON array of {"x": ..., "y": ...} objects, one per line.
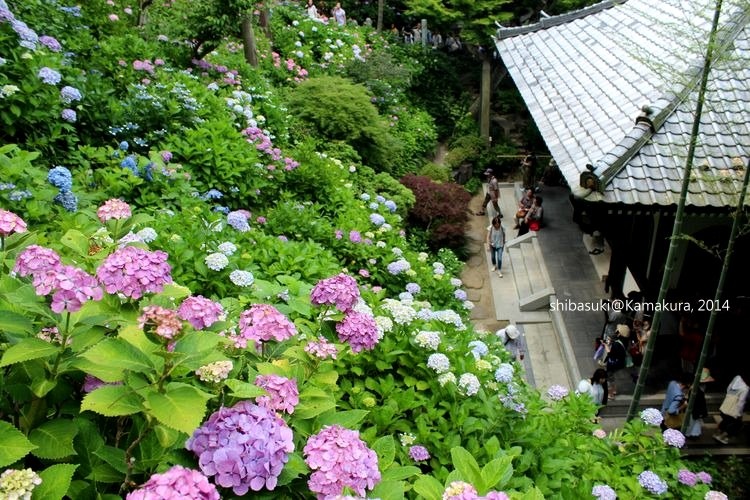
[{"x": 201, "y": 297}]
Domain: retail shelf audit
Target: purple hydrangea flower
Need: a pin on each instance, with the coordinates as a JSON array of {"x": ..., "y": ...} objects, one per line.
[
  {"x": 238, "y": 220},
  {"x": 340, "y": 291},
  {"x": 340, "y": 459},
  {"x": 398, "y": 267},
  {"x": 673, "y": 437},
  {"x": 175, "y": 484},
  {"x": 49, "y": 76},
  {"x": 261, "y": 323},
  {"x": 704, "y": 477},
  {"x": 652, "y": 482},
  {"x": 419, "y": 453},
  {"x": 604, "y": 492},
  {"x": 413, "y": 288},
  {"x": 557, "y": 392},
  {"x": 245, "y": 447},
  {"x": 686, "y": 477},
  {"x": 460, "y": 295},
  {"x": 359, "y": 330},
  {"x": 715, "y": 495},
  {"x": 51, "y": 43},
  {"x": 69, "y": 115},
  {"x": 355, "y": 237}
]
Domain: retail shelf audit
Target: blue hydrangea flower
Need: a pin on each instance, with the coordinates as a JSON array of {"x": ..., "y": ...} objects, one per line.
[
  {"x": 413, "y": 288},
  {"x": 74, "y": 11},
  {"x": 377, "y": 219},
  {"x": 221, "y": 209},
  {"x": 390, "y": 205},
  {"x": 478, "y": 348},
  {"x": 504, "y": 373},
  {"x": 212, "y": 194},
  {"x": 69, "y": 115},
  {"x": 124, "y": 145},
  {"x": 130, "y": 164},
  {"x": 19, "y": 195},
  {"x": 652, "y": 482},
  {"x": 61, "y": 178},
  {"x": 69, "y": 94},
  {"x": 374, "y": 206},
  {"x": 380, "y": 199},
  {"x": 364, "y": 197},
  {"x": 148, "y": 171},
  {"x": 67, "y": 200},
  {"x": 238, "y": 220},
  {"x": 460, "y": 294},
  {"x": 49, "y": 76}
]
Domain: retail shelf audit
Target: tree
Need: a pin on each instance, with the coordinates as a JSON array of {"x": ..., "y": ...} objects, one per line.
[{"x": 476, "y": 21}]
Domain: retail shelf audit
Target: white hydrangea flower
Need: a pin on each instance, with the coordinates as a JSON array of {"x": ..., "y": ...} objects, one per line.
[
  {"x": 241, "y": 278},
  {"x": 428, "y": 340},
  {"x": 217, "y": 261},
  {"x": 147, "y": 234},
  {"x": 445, "y": 378},
  {"x": 227, "y": 248},
  {"x": 439, "y": 362},
  {"x": 469, "y": 384}
]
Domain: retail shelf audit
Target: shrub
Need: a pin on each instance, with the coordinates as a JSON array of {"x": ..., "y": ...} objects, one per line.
[
  {"x": 440, "y": 208},
  {"x": 438, "y": 173},
  {"x": 341, "y": 111}
]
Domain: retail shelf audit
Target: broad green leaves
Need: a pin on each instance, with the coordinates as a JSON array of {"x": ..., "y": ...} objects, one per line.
[
  {"x": 15, "y": 446},
  {"x": 28, "y": 349},
  {"x": 181, "y": 407},
  {"x": 54, "y": 439}
]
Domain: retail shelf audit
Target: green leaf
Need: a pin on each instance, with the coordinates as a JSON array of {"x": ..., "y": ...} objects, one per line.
[
  {"x": 243, "y": 390},
  {"x": 497, "y": 473},
  {"x": 325, "y": 378},
  {"x": 294, "y": 468},
  {"x": 388, "y": 490},
  {"x": 349, "y": 419},
  {"x": 55, "y": 482},
  {"x": 11, "y": 322},
  {"x": 114, "y": 457},
  {"x": 117, "y": 353},
  {"x": 112, "y": 401},
  {"x": 398, "y": 473},
  {"x": 102, "y": 372},
  {"x": 385, "y": 447},
  {"x": 15, "y": 446},
  {"x": 468, "y": 467},
  {"x": 182, "y": 406},
  {"x": 174, "y": 291},
  {"x": 28, "y": 349},
  {"x": 76, "y": 241},
  {"x": 429, "y": 488},
  {"x": 313, "y": 402},
  {"x": 54, "y": 439}
]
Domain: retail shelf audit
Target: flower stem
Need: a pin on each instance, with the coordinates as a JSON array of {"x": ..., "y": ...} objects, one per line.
[{"x": 63, "y": 345}]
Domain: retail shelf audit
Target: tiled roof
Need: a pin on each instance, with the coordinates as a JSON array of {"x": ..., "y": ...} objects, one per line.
[{"x": 586, "y": 75}]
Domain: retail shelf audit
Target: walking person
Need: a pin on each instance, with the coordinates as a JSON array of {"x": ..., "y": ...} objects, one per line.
[
  {"x": 495, "y": 244},
  {"x": 675, "y": 401},
  {"x": 492, "y": 195},
  {"x": 700, "y": 410},
  {"x": 339, "y": 14},
  {"x": 731, "y": 410}
]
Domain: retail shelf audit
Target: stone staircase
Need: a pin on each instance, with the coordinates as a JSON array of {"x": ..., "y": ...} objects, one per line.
[{"x": 530, "y": 276}]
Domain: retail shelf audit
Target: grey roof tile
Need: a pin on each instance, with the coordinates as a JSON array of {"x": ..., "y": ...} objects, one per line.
[{"x": 585, "y": 75}]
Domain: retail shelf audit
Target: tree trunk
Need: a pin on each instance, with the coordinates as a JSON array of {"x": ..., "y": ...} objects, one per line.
[
  {"x": 248, "y": 39},
  {"x": 142, "y": 17},
  {"x": 381, "y": 6},
  {"x": 498, "y": 74},
  {"x": 484, "y": 122}
]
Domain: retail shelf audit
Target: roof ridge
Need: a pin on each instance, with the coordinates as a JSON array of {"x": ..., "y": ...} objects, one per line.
[
  {"x": 548, "y": 22},
  {"x": 645, "y": 126}
]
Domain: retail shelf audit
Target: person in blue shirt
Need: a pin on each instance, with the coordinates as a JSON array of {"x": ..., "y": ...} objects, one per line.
[{"x": 676, "y": 400}]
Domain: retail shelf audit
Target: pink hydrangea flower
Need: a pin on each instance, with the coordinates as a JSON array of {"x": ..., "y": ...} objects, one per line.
[
  {"x": 10, "y": 223},
  {"x": 35, "y": 259},
  {"x": 166, "y": 321},
  {"x": 340, "y": 460},
  {"x": 178, "y": 483},
  {"x": 113, "y": 209},
  {"x": 340, "y": 291},
  {"x": 358, "y": 329},
  {"x": 460, "y": 490},
  {"x": 134, "y": 271},
  {"x": 261, "y": 323},
  {"x": 200, "y": 311},
  {"x": 283, "y": 394},
  {"x": 71, "y": 287},
  {"x": 321, "y": 348}
]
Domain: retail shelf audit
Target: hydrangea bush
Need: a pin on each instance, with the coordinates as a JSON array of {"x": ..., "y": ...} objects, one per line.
[{"x": 197, "y": 299}]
